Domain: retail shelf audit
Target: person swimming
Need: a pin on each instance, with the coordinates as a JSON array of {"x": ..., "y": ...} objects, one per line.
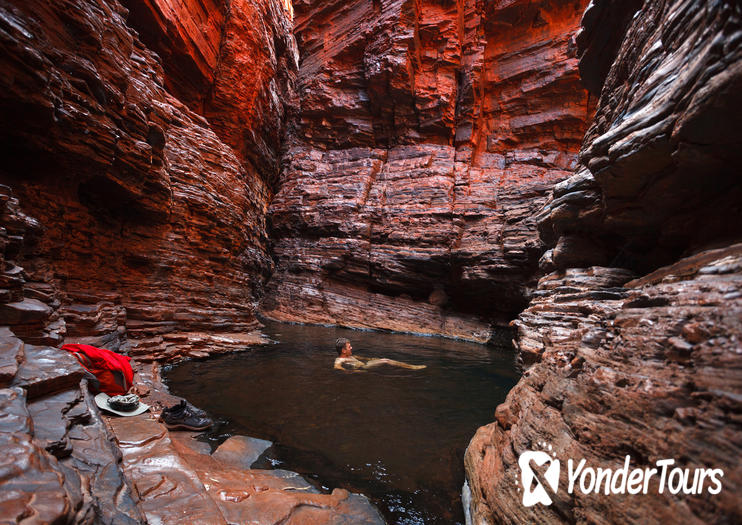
[{"x": 347, "y": 361}]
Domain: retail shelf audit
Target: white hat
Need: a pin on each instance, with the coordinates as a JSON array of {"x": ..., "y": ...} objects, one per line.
[{"x": 102, "y": 401}]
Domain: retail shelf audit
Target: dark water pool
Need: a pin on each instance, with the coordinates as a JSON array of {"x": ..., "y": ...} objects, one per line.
[{"x": 397, "y": 436}]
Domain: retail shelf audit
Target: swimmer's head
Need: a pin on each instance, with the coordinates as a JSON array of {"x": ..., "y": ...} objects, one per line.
[{"x": 341, "y": 343}]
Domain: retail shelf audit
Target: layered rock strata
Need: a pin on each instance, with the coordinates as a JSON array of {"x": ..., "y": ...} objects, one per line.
[
  {"x": 427, "y": 137},
  {"x": 149, "y": 225},
  {"x": 647, "y": 367},
  {"x": 28, "y": 306},
  {"x": 659, "y": 164},
  {"x": 233, "y": 62}
]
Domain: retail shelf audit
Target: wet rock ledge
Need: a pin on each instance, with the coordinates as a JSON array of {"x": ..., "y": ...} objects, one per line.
[{"x": 63, "y": 461}]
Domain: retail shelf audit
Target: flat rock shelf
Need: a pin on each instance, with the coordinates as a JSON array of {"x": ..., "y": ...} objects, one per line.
[{"x": 395, "y": 435}]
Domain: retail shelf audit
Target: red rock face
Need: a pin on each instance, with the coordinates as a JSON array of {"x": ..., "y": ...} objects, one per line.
[
  {"x": 650, "y": 370},
  {"x": 232, "y": 62},
  {"x": 149, "y": 225},
  {"x": 427, "y": 138},
  {"x": 186, "y": 36},
  {"x": 247, "y": 105}
]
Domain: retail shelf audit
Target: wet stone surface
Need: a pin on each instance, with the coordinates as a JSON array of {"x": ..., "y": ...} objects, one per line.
[
  {"x": 58, "y": 462},
  {"x": 30, "y": 481},
  {"x": 241, "y": 451},
  {"x": 176, "y": 479},
  {"x": 11, "y": 354},
  {"x": 47, "y": 370}
]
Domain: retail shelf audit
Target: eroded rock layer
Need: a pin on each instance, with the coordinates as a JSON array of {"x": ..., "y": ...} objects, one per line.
[
  {"x": 148, "y": 224},
  {"x": 651, "y": 370},
  {"x": 59, "y": 462},
  {"x": 660, "y": 162},
  {"x": 620, "y": 366},
  {"x": 427, "y": 137},
  {"x": 232, "y": 62}
]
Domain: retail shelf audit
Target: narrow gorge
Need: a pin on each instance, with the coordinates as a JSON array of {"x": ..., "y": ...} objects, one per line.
[{"x": 559, "y": 173}]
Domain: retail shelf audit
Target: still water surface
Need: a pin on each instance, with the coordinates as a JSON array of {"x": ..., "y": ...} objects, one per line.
[{"x": 398, "y": 436}]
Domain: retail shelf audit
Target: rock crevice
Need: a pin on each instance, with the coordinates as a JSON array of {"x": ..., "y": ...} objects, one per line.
[{"x": 412, "y": 165}]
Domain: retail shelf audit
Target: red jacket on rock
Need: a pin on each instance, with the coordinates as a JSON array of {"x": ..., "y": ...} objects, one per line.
[{"x": 112, "y": 370}]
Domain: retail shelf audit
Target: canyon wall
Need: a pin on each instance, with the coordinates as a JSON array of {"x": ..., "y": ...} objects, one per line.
[
  {"x": 231, "y": 61},
  {"x": 427, "y": 136},
  {"x": 616, "y": 365},
  {"x": 147, "y": 188},
  {"x": 443, "y": 169}
]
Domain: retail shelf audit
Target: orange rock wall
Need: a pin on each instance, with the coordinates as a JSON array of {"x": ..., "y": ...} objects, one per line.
[
  {"x": 231, "y": 61},
  {"x": 247, "y": 105},
  {"x": 186, "y": 35},
  {"x": 427, "y": 138},
  {"x": 151, "y": 227}
]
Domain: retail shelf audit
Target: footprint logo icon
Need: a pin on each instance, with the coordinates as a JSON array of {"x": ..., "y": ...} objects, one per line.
[{"x": 534, "y": 494}]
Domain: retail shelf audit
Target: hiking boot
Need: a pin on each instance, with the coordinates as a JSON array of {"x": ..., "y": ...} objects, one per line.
[{"x": 184, "y": 415}]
